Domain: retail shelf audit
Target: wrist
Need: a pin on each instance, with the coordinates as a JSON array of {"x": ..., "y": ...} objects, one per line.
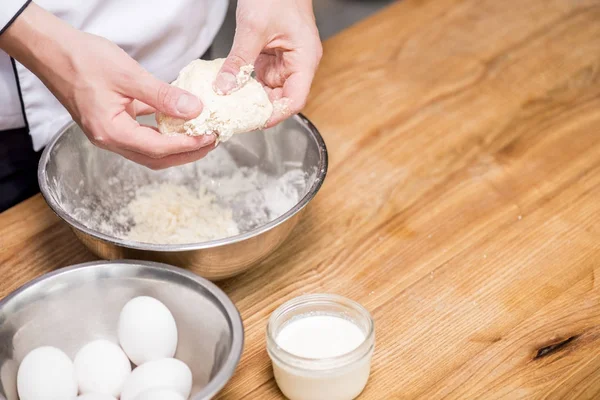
[{"x": 305, "y": 5}]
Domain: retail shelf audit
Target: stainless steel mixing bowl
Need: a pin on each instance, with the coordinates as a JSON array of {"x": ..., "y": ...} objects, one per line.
[
  {"x": 72, "y": 306},
  {"x": 71, "y": 170}
]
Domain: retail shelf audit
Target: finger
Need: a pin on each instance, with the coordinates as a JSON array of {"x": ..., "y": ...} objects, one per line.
[
  {"x": 274, "y": 94},
  {"x": 270, "y": 71},
  {"x": 136, "y": 108},
  {"x": 130, "y": 109},
  {"x": 128, "y": 134},
  {"x": 293, "y": 97},
  {"x": 163, "y": 97},
  {"x": 281, "y": 112},
  {"x": 142, "y": 108},
  {"x": 247, "y": 45},
  {"x": 168, "y": 161}
]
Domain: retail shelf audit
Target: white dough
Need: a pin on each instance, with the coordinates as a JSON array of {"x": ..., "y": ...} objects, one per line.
[
  {"x": 244, "y": 110},
  {"x": 46, "y": 373},
  {"x": 101, "y": 367},
  {"x": 168, "y": 373},
  {"x": 95, "y": 396},
  {"x": 159, "y": 394},
  {"x": 147, "y": 330}
]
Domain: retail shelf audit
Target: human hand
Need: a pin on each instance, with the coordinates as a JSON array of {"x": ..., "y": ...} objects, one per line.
[
  {"x": 104, "y": 90},
  {"x": 281, "y": 40}
]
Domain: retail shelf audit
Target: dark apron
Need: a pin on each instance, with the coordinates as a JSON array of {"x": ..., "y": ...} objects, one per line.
[{"x": 18, "y": 167}]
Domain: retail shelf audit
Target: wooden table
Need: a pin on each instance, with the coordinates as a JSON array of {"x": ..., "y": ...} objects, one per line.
[{"x": 462, "y": 206}]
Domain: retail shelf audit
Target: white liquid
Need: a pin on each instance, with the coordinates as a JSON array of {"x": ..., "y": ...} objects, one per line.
[{"x": 319, "y": 337}]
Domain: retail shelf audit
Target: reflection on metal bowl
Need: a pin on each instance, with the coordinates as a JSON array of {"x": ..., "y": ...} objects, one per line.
[{"x": 75, "y": 305}]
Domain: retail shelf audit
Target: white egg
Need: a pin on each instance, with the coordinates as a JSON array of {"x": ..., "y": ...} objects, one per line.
[
  {"x": 168, "y": 373},
  {"x": 147, "y": 330},
  {"x": 101, "y": 367},
  {"x": 8, "y": 379},
  {"x": 46, "y": 373},
  {"x": 159, "y": 394},
  {"x": 95, "y": 396}
]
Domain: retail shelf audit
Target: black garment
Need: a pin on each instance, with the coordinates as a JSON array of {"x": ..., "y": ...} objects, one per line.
[{"x": 18, "y": 167}]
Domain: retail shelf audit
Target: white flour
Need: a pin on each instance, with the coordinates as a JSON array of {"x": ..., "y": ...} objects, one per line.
[
  {"x": 169, "y": 213},
  {"x": 208, "y": 200}
]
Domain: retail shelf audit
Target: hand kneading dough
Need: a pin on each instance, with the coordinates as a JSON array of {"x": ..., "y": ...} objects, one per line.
[{"x": 246, "y": 109}]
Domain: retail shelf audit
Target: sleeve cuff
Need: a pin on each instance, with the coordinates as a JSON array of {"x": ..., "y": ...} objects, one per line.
[{"x": 9, "y": 11}]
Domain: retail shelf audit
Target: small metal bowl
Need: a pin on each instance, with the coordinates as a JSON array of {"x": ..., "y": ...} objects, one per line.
[
  {"x": 73, "y": 306},
  {"x": 71, "y": 170}
]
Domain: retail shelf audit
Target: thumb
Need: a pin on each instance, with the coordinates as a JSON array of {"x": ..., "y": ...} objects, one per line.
[
  {"x": 246, "y": 48},
  {"x": 166, "y": 98}
]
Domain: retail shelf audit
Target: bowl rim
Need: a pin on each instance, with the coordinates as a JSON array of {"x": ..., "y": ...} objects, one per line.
[
  {"x": 226, "y": 372},
  {"x": 322, "y": 168}
]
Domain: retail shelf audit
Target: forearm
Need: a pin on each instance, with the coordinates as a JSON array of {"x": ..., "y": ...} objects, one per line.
[
  {"x": 305, "y": 6},
  {"x": 31, "y": 40}
]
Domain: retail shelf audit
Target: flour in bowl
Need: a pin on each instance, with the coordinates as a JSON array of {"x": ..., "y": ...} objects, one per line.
[
  {"x": 211, "y": 199},
  {"x": 173, "y": 214}
]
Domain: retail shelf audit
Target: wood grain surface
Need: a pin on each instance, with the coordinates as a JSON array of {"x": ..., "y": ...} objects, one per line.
[{"x": 462, "y": 206}]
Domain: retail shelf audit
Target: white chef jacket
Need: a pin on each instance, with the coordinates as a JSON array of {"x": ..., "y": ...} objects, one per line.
[{"x": 162, "y": 35}]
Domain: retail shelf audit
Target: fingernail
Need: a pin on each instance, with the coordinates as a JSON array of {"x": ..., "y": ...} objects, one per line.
[
  {"x": 225, "y": 83},
  {"x": 187, "y": 103}
]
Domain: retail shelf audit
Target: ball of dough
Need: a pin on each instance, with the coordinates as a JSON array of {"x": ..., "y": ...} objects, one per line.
[
  {"x": 101, "y": 367},
  {"x": 246, "y": 109}
]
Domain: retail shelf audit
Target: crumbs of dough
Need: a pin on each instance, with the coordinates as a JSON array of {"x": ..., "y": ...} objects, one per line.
[
  {"x": 282, "y": 106},
  {"x": 244, "y": 75}
]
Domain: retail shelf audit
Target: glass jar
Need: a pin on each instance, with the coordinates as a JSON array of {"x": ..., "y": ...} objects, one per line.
[{"x": 337, "y": 378}]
